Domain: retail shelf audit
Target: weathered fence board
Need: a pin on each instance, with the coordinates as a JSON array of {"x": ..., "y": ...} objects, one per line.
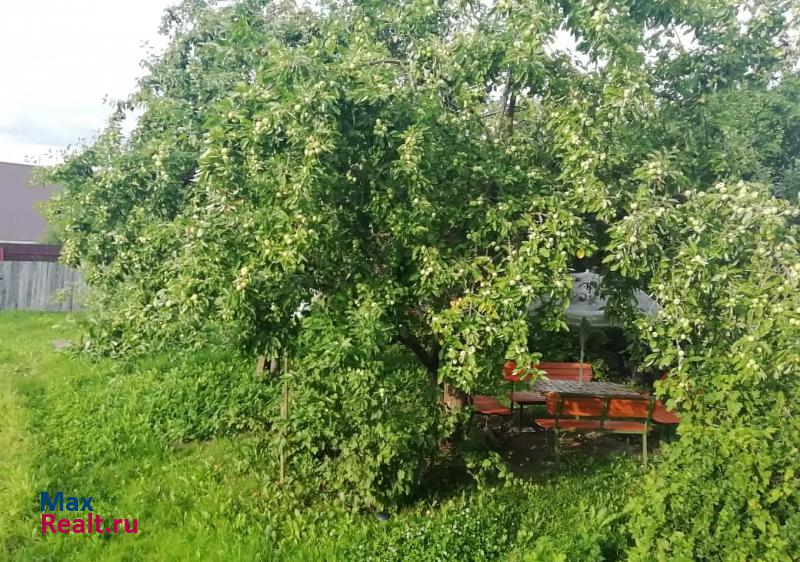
[{"x": 35, "y": 285}]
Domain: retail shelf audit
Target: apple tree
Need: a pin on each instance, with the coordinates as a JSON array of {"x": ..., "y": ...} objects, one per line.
[{"x": 378, "y": 189}]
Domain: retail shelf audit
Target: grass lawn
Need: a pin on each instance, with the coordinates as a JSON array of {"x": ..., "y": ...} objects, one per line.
[{"x": 118, "y": 431}]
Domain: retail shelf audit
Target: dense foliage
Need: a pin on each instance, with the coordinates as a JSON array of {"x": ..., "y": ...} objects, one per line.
[
  {"x": 725, "y": 264},
  {"x": 217, "y": 500},
  {"x": 360, "y": 427},
  {"x": 343, "y": 183}
]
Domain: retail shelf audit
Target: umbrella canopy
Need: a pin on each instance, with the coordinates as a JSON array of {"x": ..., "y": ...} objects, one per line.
[{"x": 587, "y": 308}]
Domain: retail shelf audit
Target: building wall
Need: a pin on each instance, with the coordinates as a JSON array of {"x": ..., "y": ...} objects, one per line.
[
  {"x": 10, "y": 251},
  {"x": 20, "y": 202}
]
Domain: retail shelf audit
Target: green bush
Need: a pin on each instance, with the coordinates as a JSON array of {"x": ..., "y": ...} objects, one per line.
[
  {"x": 728, "y": 281},
  {"x": 576, "y": 515},
  {"x": 142, "y": 407},
  {"x": 362, "y": 424},
  {"x": 203, "y": 395},
  {"x": 724, "y": 493},
  {"x": 475, "y": 526}
]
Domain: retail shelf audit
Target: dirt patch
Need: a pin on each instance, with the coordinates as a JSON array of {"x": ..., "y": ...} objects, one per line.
[{"x": 60, "y": 345}]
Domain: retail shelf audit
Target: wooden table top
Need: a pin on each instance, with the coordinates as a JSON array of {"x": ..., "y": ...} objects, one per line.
[{"x": 596, "y": 388}]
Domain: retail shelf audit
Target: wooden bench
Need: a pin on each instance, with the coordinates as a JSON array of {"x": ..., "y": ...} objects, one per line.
[
  {"x": 554, "y": 371},
  {"x": 608, "y": 414},
  {"x": 486, "y": 406},
  {"x": 663, "y": 416}
]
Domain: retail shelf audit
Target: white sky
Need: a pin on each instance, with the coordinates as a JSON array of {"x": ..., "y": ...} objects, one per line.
[{"x": 59, "y": 59}]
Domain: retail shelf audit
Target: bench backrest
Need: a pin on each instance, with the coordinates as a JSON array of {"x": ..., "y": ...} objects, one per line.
[
  {"x": 554, "y": 371},
  {"x": 631, "y": 408},
  {"x": 607, "y": 407}
]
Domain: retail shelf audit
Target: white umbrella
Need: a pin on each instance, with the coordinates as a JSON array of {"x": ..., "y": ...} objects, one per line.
[{"x": 587, "y": 308}]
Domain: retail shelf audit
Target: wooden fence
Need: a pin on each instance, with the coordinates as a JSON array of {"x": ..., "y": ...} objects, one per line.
[{"x": 35, "y": 285}]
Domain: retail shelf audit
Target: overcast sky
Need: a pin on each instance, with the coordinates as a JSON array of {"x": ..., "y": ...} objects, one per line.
[{"x": 59, "y": 59}]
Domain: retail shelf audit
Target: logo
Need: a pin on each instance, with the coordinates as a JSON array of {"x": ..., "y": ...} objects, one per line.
[{"x": 90, "y": 523}]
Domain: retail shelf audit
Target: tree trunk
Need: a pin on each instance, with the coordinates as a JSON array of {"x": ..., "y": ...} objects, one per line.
[
  {"x": 453, "y": 399},
  {"x": 260, "y": 366},
  {"x": 429, "y": 358},
  {"x": 284, "y": 417}
]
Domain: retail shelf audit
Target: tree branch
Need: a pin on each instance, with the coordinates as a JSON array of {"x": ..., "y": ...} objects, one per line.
[
  {"x": 511, "y": 106},
  {"x": 384, "y": 61},
  {"x": 506, "y": 93},
  {"x": 430, "y": 359}
]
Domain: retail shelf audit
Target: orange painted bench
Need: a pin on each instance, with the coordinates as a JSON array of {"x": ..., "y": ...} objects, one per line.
[
  {"x": 608, "y": 414},
  {"x": 553, "y": 371},
  {"x": 485, "y": 406},
  {"x": 488, "y": 406},
  {"x": 663, "y": 416}
]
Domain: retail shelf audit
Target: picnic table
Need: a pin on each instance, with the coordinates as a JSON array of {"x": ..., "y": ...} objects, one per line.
[
  {"x": 565, "y": 387},
  {"x": 599, "y": 389},
  {"x": 563, "y": 379}
]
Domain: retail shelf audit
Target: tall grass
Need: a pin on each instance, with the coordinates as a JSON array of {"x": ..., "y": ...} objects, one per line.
[{"x": 181, "y": 444}]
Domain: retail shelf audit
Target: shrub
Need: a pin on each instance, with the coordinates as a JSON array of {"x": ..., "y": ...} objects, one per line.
[
  {"x": 724, "y": 493},
  {"x": 362, "y": 424},
  {"x": 202, "y": 395},
  {"x": 728, "y": 280},
  {"x": 476, "y": 526},
  {"x": 141, "y": 407},
  {"x": 576, "y": 515}
]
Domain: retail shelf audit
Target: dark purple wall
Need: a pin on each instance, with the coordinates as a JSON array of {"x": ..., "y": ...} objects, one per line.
[
  {"x": 20, "y": 220},
  {"x": 29, "y": 252}
]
